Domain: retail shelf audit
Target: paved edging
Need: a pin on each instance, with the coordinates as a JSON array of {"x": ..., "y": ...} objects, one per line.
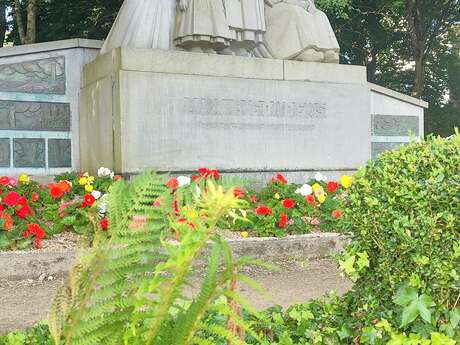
[{"x": 23, "y": 265}]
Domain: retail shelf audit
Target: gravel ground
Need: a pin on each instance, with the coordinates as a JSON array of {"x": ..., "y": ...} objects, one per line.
[{"x": 25, "y": 302}]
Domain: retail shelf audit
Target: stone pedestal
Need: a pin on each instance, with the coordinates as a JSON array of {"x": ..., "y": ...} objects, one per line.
[{"x": 176, "y": 111}]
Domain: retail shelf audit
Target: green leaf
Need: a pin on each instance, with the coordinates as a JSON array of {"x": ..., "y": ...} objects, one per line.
[
  {"x": 410, "y": 313},
  {"x": 454, "y": 317},
  {"x": 405, "y": 295}
]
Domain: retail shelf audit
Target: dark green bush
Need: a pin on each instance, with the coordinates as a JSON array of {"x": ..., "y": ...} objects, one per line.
[{"x": 404, "y": 213}]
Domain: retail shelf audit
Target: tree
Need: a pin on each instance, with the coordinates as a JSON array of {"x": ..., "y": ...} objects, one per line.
[
  {"x": 27, "y": 30},
  {"x": 427, "y": 22}
]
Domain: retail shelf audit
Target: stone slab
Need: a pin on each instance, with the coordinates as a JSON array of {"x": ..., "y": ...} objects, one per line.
[
  {"x": 398, "y": 96},
  {"x": 397, "y": 125},
  {"x": 380, "y": 147},
  {"x": 50, "y": 46},
  {"x": 177, "y": 62},
  {"x": 324, "y": 73},
  {"x": 22, "y": 265},
  {"x": 235, "y": 123}
]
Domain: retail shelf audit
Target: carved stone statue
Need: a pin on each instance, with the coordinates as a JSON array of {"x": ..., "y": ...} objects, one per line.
[
  {"x": 201, "y": 25},
  {"x": 246, "y": 19},
  {"x": 142, "y": 24},
  {"x": 297, "y": 30}
]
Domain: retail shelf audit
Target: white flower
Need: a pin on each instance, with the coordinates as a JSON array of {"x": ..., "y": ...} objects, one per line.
[
  {"x": 197, "y": 190},
  {"x": 96, "y": 194},
  {"x": 184, "y": 181},
  {"x": 320, "y": 177},
  {"x": 104, "y": 172},
  {"x": 103, "y": 205},
  {"x": 305, "y": 190}
]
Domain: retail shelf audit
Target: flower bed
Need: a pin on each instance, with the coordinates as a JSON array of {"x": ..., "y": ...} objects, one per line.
[{"x": 29, "y": 212}]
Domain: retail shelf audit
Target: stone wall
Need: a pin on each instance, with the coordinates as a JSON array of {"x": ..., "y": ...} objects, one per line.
[
  {"x": 175, "y": 111},
  {"x": 396, "y": 119},
  {"x": 39, "y": 106}
]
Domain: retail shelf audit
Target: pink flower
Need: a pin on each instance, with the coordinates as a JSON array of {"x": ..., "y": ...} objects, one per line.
[
  {"x": 13, "y": 182},
  {"x": 315, "y": 222}
]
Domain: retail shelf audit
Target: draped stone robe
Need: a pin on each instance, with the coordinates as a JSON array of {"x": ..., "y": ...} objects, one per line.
[
  {"x": 292, "y": 30},
  {"x": 203, "y": 24},
  {"x": 142, "y": 24}
]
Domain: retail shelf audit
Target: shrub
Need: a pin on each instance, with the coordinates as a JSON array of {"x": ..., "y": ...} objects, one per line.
[{"x": 404, "y": 212}]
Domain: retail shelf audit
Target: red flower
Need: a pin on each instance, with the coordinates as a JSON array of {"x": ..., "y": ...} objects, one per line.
[
  {"x": 172, "y": 183},
  {"x": 35, "y": 197},
  {"x": 337, "y": 214},
  {"x": 12, "y": 199},
  {"x": 283, "y": 221},
  {"x": 263, "y": 210},
  {"x": 332, "y": 186},
  {"x": 158, "y": 201},
  {"x": 4, "y": 181},
  {"x": 310, "y": 199},
  {"x": 89, "y": 200},
  {"x": 55, "y": 191},
  {"x": 35, "y": 230},
  {"x": 279, "y": 178},
  {"x": 205, "y": 172},
  {"x": 8, "y": 225},
  {"x": 214, "y": 173},
  {"x": 288, "y": 204},
  {"x": 176, "y": 207},
  {"x": 23, "y": 212},
  {"x": 104, "y": 223},
  {"x": 65, "y": 186},
  {"x": 195, "y": 177},
  {"x": 117, "y": 178},
  {"x": 253, "y": 198},
  {"x": 239, "y": 193}
]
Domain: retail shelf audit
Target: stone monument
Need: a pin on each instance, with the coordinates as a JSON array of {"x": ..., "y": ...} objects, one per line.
[{"x": 173, "y": 110}]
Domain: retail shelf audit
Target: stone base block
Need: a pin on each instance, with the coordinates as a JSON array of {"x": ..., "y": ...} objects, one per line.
[{"x": 176, "y": 111}]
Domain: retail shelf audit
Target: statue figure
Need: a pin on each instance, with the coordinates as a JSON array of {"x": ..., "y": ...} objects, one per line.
[
  {"x": 297, "y": 30},
  {"x": 246, "y": 19},
  {"x": 142, "y": 24},
  {"x": 201, "y": 26}
]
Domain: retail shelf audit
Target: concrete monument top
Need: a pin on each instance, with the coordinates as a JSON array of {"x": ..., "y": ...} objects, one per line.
[{"x": 280, "y": 29}]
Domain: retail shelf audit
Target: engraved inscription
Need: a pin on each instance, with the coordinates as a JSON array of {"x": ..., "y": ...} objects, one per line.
[
  {"x": 35, "y": 116},
  {"x": 59, "y": 153},
  {"x": 44, "y": 76},
  {"x": 215, "y": 113},
  {"x": 388, "y": 125},
  {"x": 378, "y": 148},
  {"x": 29, "y": 153},
  {"x": 4, "y": 152}
]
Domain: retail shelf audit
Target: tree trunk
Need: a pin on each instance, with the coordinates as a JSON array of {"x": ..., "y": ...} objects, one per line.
[
  {"x": 19, "y": 22},
  {"x": 31, "y": 36},
  {"x": 28, "y": 32},
  {"x": 372, "y": 67},
  {"x": 3, "y": 22},
  {"x": 420, "y": 69}
]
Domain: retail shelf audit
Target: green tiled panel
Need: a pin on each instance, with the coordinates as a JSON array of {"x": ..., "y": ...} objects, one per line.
[
  {"x": 43, "y": 76},
  {"x": 35, "y": 116},
  {"x": 4, "y": 152},
  {"x": 60, "y": 153},
  {"x": 29, "y": 153}
]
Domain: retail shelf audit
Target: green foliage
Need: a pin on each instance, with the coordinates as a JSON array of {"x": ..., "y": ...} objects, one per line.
[
  {"x": 39, "y": 335},
  {"x": 128, "y": 289},
  {"x": 403, "y": 212}
]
